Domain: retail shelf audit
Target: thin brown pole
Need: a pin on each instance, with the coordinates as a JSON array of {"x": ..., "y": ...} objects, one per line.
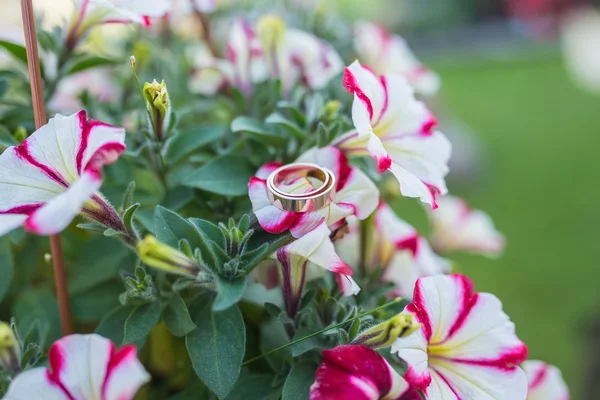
[{"x": 39, "y": 113}]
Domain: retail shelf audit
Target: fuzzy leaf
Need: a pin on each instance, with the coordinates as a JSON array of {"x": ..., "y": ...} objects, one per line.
[
  {"x": 229, "y": 292},
  {"x": 257, "y": 130},
  {"x": 227, "y": 175},
  {"x": 6, "y": 267},
  {"x": 289, "y": 126},
  {"x": 177, "y": 317},
  {"x": 112, "y": 326},
  {"x": 189, "y": 141},
  {"x": 216, "y": 348},
  {"x": 140, "y": 322},
  {"x": 315, "y": 342},
  {"x": 297, "y": 384}
]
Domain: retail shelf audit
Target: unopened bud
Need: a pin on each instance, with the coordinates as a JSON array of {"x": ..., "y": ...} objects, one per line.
[
  {"x": 159, "y": 106},
  {"x": 132, "y": 61},
  {"x": 331, "y": 109},
  {"x": 270, "y": 29},
  {"x": 386, "y": 333},
  {"x": 159, "y": 255},
  {"x": 10, "y": 352}
]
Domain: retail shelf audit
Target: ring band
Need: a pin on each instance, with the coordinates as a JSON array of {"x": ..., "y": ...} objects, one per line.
[{"x": 310, "y": 201}]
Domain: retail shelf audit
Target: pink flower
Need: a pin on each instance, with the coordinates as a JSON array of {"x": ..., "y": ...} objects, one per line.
[
  {"x": 466, "y": 347},
  {"x": 93, "y": 12},
  {"x": 55, "y": 174},
  {"x": 352, "y": 372},
  {"x": 386, "y": 53},
  {"x": 396, "y": 247},
  {"x": 398, "y": 131},
  {"x": 355, "y": 196},
  {"x": 82, "y": 367},
  {"x": 457, "y": 227},
  {"x": 545, "y": 382}
]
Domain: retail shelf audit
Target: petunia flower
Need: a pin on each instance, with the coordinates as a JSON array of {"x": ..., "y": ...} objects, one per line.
[
  {"x": 351, "y": 372},
  {"x": 545, "y": 382},
  {"x": 466, "y": 348},
  {"x": 355, "y": 195},
  {"x": 292, "y": 262},
  {"x": 55, "y": 174},
  {"x": 394, "y": 246},
  {"x": 89, "y": 13},
  {"x": 385, "y": 53},
  {"x": 457, "y": 227},
  {"x": 398, "y": 131},
  {"x": 82, "y": 367}
]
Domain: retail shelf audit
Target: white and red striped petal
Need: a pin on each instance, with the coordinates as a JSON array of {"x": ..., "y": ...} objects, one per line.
[
  {"x": 91, "y": 12},
  {"x": 46, "y": 180},
  {"x": 355, "y": 195},
  {"x": 82, "y": 367},
  {"x": 463, "y": 334},
  {"x": 457, "y": 227},
  {"x": 386, "y": 53},
  {"x": 545, "y": 382},
  {"x": 398, "y": 131},
  {"x": 351, "y": 372},
  {"x": 347, "y": 285}
]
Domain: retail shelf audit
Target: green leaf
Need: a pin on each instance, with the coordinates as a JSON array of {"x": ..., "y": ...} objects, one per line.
[
  {"x": 88, "y": 62},
  {"x": 229, "y": 292},
  {"x": 46, "y": 40},
  {"x": 140, "y": 322},
  {"x": 6, "y": 267},
  {"x": 209, "y": 230},
  {"x": 227, "y": 175},
  {"x": 297, "y": 384},
  {"x": 257, "y": 130},
  {"x": 289, "y": 126},
  {"x": 4, "y": 85},
  {"x": 40, "y": 305},
  {"x": 15, "y": 50},
  {"x": 112, "y": 326},
  {"x": 254, "y": 387},
  {"x": 177, "y": 317},
  {"x": 194, "y": 392},
  {"x": 128, "y": 196},
  {"x": 6, "y": 138},
  {"x": 315, "y": 342},
  {"x": 189, "y": 141},
  {"x": 91, "y": 305},
  {"x": 216, "y": 348},
  {"x": 169, "y": 227}
]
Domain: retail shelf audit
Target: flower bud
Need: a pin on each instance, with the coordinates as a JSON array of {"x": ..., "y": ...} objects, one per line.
[
  {"x": 10, "y": 352},
  {"x": 386, "y": 333},
  {"x": 330, "y": 110},
  {"x": 271, "y": 30},
  {"x": 159, "y": 107},
  {"x": 161, "y": 256}
]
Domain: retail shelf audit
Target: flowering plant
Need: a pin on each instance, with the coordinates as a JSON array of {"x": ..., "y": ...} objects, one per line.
[{"x": 184, "y": 277}]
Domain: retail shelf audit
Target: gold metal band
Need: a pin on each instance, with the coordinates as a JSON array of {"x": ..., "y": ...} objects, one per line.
[{"x": 313, "y": 200}]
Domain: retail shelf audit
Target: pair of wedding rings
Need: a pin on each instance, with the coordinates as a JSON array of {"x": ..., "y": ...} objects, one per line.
[{"x": 297, "y": 173}]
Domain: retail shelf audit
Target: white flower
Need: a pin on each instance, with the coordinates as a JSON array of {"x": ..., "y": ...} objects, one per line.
[
  {"x": 82, "y": 367},
  {"x": 545, "y": 382}
]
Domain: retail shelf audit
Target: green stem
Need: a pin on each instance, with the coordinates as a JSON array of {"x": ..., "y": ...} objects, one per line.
[{"x": 395, "y": 301}]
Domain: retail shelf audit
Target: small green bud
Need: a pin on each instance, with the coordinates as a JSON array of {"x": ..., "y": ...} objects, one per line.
[
  {"x": 161, "y": 256},
  {"x": 159, "y": 107},
  {"x": 330, "y": 109},
  {"x": 386, "y": 333}
]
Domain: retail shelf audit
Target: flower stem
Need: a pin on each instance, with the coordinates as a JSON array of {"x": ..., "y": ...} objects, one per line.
[
  {"x": 395, "y": 301},
  {"x": 39, "y": 113}
]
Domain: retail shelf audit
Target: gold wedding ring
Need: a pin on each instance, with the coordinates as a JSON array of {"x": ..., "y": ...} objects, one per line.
[{"x": 310, "y": 201}]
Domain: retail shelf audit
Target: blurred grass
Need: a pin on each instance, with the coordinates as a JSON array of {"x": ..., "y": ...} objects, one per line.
[{"x": 540, "y": 141}]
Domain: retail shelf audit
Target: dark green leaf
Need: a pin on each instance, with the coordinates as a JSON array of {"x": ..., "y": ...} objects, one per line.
[
  {"x": 257, "y": 130},
  {"x": 315, "y": 342},
  {"x": 16, "y": 50},
  {"x": 216, "y": 348},
  {"x": 140, "y": 322},
  {"x": 177, "y": 317},
  {"x": 92, "y": 304},
  {"x": 297, "y": 384},
  {"x": 289, "y": 126},
  {"x": 272, "y": 309},
  {"x": 89, "y": 62},
  {"x": 128, "y": 196},
  {"x": 227, "y": 175},
  {"x": 6, "y": 138},
  {"x": 209, "y": 230},
  {"x": 187, "y": 142},
  {"x": 169, "y": 227},
  {"x": 254, "y": 387},
  {"x": 196, "y": 391},
  {"x": 40, "y": 305},
  {"x": 4, "y": 85},
  {"x": 229, "y": 292},
  {"x": 92, "y": 226},
  {"x": 112, "y": 326},
  {"x": 46, "y": 41},
  {"x": 6, "y": 267}
]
